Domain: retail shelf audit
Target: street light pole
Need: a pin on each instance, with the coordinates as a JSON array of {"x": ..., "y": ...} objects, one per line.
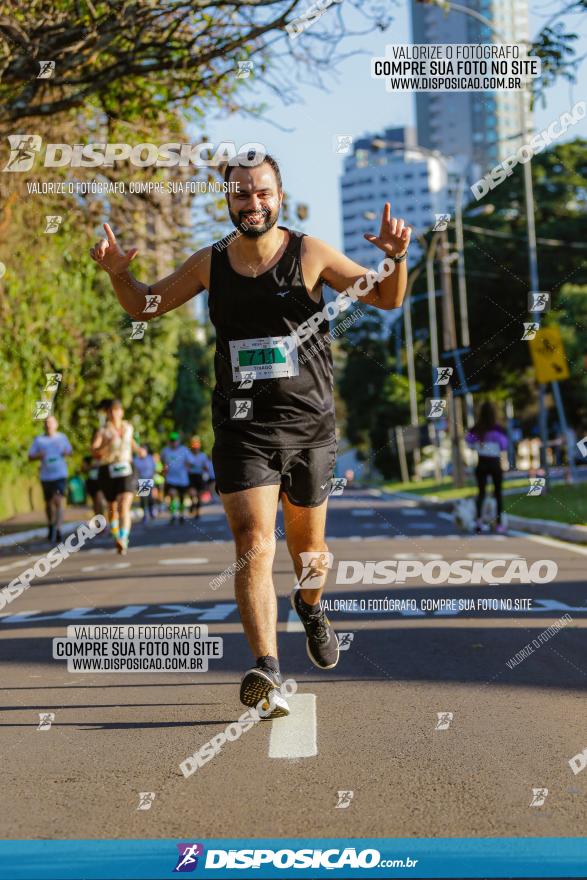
[{"x": 447, "y": 5}]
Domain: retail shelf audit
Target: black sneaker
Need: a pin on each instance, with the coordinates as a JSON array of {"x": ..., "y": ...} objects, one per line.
[
  {"x": 51, "y": 534},
  {"x": 262, "y": 686},
  {"x": 58, "y": 536},
  {"x": 321, "y": 642}
]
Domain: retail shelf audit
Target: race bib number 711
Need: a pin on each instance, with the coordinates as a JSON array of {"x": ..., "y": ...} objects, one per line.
[{"x": 263, "y": 358}]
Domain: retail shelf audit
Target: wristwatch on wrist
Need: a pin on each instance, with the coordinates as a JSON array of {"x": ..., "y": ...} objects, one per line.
[{"x": 399, "y": 258}]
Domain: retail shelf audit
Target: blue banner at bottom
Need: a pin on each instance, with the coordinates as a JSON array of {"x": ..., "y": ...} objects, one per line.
[{"x": 289, "y": 858}]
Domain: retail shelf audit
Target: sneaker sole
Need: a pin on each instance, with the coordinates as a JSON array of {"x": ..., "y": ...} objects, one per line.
[
  {"x": 256, "y": 687},
  {"x": 317, "y": 665}
]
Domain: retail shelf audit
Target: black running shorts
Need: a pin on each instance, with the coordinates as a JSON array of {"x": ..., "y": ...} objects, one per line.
[
  {"x": 304, "y": 475},
  {"x": 53, "y": 487},
  {"x": 112, "y": 487},
  {"x": 197, "y": 482}
]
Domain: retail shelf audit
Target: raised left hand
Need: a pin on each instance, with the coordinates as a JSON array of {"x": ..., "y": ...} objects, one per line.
[{"x": 394, "y": 235}]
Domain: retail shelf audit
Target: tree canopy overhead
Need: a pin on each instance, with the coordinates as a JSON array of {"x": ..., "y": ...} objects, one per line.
[{"x": 137, "y": 58}]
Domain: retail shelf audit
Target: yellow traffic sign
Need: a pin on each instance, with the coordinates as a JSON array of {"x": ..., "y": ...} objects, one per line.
[{"x": 548, "y": 355}]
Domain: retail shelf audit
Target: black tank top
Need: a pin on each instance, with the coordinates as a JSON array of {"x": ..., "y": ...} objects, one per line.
[{"x": 292, "y": 402}]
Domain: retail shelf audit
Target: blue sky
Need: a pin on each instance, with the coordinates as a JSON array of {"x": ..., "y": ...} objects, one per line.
[{"x": 353, "y": 104}]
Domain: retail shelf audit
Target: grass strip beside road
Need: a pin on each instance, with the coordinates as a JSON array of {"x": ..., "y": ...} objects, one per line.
[{"x": 562, "y": 503}]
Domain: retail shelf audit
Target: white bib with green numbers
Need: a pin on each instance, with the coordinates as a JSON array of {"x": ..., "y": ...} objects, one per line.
[{"x": 263, "y": 358}]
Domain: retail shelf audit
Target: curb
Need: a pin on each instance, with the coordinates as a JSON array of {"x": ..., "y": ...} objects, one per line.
[
  {"x": 19, "y": 537},
  {"x": 547, "y": 527},
  {"x": 66, "y": 529}
]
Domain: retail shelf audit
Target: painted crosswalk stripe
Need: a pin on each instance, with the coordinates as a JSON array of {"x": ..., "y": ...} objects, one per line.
[
  {"x": 107, "y": 566},
  {"x": 192, "y": 560},
  {"x": 413, "y": 511},
  {"x": 295, "y": 735},
  {"x": 294, "y": 624},
  {"x": 490, "y": 555}
]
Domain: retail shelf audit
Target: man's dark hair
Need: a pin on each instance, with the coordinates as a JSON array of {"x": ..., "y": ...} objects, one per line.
[{"x": 268, "y": 159}]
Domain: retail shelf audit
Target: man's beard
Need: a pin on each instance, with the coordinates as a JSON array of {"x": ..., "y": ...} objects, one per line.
[{"x": 240, "y": 221}]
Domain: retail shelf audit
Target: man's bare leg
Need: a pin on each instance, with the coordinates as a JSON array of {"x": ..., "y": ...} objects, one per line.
[
  {"x": 304, "y": 531},
  {"x": 251, "y": 517}
]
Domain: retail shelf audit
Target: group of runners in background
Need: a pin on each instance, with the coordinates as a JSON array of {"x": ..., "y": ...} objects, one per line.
[{"x": 118, "y": 469}]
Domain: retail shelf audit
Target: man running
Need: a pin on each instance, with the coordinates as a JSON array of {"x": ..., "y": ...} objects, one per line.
[
  {"x": 51, "y": 448},
  {"x": 176, "y": 458},
  {"x": 272, "y": 411}
]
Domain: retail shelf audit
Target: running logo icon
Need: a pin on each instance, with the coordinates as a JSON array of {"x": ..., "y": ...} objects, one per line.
[
  {"x": 187, "y": 859},
  {"x": 537, "y": 484},
  {"x": 53, "y": 381},
  {"x": 146, "y": 799},
  {"x": 443, "y": 375},
  {"x": 530, "y": 330},
  {"x": 344, "y": 799},
  {"x": 145, "y": 487},
  {"x": 337, "y": 485},
  {"x": 538, "y": 301},
  {"x": 152, "y": 301},
  {"x": 42, "y": 409},
  {"x": 539, "y": 795},
  {"x": 441, "y": 222},
  {"x": 343, "y": 143},
  {"x": 46, "y": 719},
  {"x": 52, "y": 222},
  {"x": 46, "y": 69},
  {"x": 244, "y": 69},
  {"x": 241, "y": 408},
  {"x": 344, "y": 640},
  {"x": 444, "y": 719},
  {"x": 138, "y": 330},
  {"x": 314, "y": 568},
  {"x": 23, "y": 148},
  {"x": 246, "y": 379},
  {"x": 435, "y": 408}
]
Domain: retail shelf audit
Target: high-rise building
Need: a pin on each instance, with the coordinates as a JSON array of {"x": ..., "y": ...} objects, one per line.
[
  {"x": 388, "y": 167},
  {"x": 484, "y": 126}
]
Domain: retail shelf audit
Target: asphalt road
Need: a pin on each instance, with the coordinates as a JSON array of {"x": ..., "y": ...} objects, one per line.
[{"x": 369, "y": 727}]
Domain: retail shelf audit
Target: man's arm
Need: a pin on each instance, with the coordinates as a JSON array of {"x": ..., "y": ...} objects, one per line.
[
  {"x": 341, "y": 273},
  {"x": 190, "y": 279}
]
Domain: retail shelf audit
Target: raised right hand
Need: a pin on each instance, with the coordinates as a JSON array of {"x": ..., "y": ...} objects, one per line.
[{"x": 109, "y": 256}]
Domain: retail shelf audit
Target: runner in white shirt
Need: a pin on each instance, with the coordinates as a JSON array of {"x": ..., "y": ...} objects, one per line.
[
  {"x": 199, "y": 472},
  {"x": 51, "y": 448},
  {"x": 176, "y": 458},
  {"x": 113, "y": 446}
]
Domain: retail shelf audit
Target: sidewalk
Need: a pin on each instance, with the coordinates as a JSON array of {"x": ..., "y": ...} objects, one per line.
[{"x": 33, "y": 525}]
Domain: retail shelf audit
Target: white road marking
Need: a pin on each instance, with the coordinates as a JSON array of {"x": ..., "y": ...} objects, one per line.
[
  {"x": 551, "y": 542},
  {"x": 294, "y": 624},
  {"x": 192, "y": 560},
  {"x": 413, "y": 511},
  {"x": 421, "y": 525},
  {"x": 362, "y": 512},
  {"x": 444, "y": 515},
  {"x": 106, "y": 565},
  {"x": 17, "y": 564},
  {"x": 295, "y": 735},
  {"x": 493, "y": 556},
  {"x": 418, "y": 555}
]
